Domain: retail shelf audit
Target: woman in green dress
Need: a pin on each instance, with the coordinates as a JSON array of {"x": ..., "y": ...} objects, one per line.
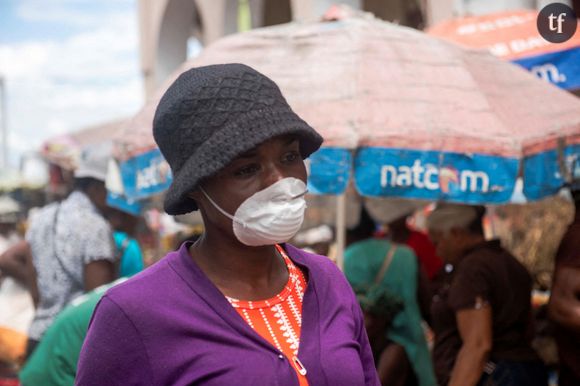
[{"x": 379, "y": 268}]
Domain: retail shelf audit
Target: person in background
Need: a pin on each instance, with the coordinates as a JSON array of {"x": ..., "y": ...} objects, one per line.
[
  {"x": 316, "y": 240},
  {"x": 70, "y": 244},
  {"x": 481, "y": 314},
  {"x": 399, "y": 232},
  {"x": 54, "y": 361},
  {"x": 395, "y": 214},
  {"x": 12, "y": 265},
  {"x": 128, "y": 251},
  {"x": 365, "y": 228},
  {"x": 564, "y": 305},
  {"x": 9, "y": 210},
  {"x": 402, "y": 355},
  {"x": 380, "y": 307},
  {"x": 240, "y": 306},
  {"x": 16, "y": 302}
]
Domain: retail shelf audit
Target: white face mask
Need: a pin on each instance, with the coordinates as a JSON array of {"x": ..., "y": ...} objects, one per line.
[{"x": 271, "y": 216}]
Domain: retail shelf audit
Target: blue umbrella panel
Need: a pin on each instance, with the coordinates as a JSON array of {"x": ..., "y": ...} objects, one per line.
[
  {"x": 560, "y": 68},
  {"x": 391, "y": 172},
  {"x": 437, "y": 175}
]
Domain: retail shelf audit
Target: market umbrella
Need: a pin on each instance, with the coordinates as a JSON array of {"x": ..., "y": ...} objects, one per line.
[
  {"x": 64, "y": 150},
  {"x": 428, "y": 119},
  {"x": 12, "y": 179},
  {"x": 514, "y": 36}
]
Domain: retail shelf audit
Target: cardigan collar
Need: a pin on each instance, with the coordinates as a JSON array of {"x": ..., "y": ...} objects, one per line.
[{"x": 199, "y": 283}]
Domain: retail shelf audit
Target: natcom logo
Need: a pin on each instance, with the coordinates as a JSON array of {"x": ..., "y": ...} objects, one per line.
[
  {"x": 153, "y": 175},
  {"x": 549, "y": 73},
  {"x": 447, "y": 179}
]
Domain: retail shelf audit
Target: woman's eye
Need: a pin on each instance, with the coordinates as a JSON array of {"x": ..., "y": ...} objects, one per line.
[
  {"x": 247, "y": 170},
  {"x": 292, "y": 156}
]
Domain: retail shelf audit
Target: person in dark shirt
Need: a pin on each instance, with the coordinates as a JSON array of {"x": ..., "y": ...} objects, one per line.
[
  {"x": 564, "y": 306},
  {"x": 481, "y": 312}
]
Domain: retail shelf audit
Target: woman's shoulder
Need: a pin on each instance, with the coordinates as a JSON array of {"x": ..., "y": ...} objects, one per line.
[
  {"x": 146, "y": 285},
  {"x": 488, "y": 254}
]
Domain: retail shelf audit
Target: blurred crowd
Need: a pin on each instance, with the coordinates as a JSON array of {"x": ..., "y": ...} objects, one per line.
[
  {"x": 449, "y": 307},
  {"x": 441, "y": 307},
  {"x": 70, "y": 253}
]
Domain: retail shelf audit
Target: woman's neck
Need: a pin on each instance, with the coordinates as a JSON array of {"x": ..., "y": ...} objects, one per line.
[
  {"x": 239, "y": 271},
  {"x": 400, "y": 235}
]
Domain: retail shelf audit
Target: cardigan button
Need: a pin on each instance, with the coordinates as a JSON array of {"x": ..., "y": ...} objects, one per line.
[{"x": 281, "y": 356}]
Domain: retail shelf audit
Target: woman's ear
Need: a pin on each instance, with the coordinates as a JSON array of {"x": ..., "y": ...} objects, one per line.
[
  {"x": 196, "y": 196},
  {"x": 456, "y": 232}
]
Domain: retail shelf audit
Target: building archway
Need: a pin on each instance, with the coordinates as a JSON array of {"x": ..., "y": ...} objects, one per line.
[
  {"x": 181, "y": 19},
  {"x": 166, "y": 27},
  {"x": 276, "y": 12},
  {"x": 404, "y": 12}
]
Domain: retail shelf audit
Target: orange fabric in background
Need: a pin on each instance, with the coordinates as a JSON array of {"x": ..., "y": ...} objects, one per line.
[
  {"x": 279, "y": 319},
  {"x": 12, "y": 345},
  {"x": 509, "y": 35}
]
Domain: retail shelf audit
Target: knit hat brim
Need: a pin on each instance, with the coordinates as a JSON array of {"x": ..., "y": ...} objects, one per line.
[{"x": 227, "y": 144}]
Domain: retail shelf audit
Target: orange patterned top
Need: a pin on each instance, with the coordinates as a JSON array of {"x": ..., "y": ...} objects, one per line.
[{"x": 278, "y": 319}]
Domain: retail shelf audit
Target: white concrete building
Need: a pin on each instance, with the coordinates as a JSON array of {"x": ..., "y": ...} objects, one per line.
[{"x": 169, "y": 28}]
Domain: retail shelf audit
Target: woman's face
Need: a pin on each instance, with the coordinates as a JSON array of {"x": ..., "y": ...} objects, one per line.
[
  {"x": 448, "y": 245},
  {"x": 251, "y": 172}
]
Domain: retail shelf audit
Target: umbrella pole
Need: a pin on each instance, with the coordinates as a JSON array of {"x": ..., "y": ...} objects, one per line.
[
  {"x": 340, "y": 229},
  {"x": 492, "y": 220}
]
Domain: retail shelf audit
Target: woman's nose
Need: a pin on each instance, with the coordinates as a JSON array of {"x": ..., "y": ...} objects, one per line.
[{"x": 273, "y": 174}]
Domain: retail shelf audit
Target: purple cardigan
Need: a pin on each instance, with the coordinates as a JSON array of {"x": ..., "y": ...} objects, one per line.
[{"x": 170, "y": 325}]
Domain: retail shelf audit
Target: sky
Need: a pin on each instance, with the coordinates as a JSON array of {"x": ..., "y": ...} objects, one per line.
[{"x": 67, "y": 65}]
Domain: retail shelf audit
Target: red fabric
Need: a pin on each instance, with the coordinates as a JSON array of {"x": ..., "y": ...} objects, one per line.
[
  {"x": 9, "y": 382},
  {"x": 425, "y": 251}
]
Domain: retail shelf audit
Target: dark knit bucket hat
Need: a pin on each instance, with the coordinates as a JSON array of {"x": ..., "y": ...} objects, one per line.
[{"x": 211, "y": 115}]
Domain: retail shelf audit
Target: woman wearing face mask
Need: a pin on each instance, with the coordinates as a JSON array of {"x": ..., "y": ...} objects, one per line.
[{"x": 238, "y": 306}]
